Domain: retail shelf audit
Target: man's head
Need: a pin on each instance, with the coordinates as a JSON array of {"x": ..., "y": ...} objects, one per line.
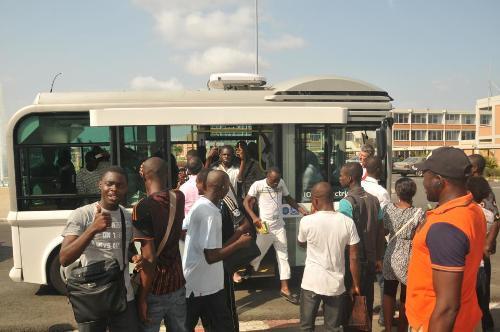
[
  {"x": 367, "y": 151},
  {"x": 273, "y": 177},
  {"x": 226, "y": 155},
  {"x": 100, "y": 154},
  {"x": 201, "y": 180},
  {"x": 479, "y": 188},
  {"x": 350, "y": 174},
  {"x": 90, "y": 162},
  {"x": 155, "y": 171},
  {"x": 194, "y": 165},
  {"x": 113, "y": 186},
  {"x": 373, "y": 167},
  {"x": 446, "y": 171},
  {"x": 191, "y": 154},
  {"x": 217, "y": 184},
  {"x": 478, "y": 163},
  {"x": 321, "y": 196}
]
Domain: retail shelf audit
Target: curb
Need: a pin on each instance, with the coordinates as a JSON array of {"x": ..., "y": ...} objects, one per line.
[{"x": 263, "y": 325}]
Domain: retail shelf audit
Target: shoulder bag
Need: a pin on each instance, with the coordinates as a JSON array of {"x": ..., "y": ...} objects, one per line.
[
  {"x": 135, "y": 279},
  {"x": 97, "y": 291},
  {"x": 409, "y": 222},
  {"x": 359, "y": 320}
]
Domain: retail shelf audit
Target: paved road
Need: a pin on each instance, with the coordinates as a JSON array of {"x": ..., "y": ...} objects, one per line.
[{"x": 26, "y": 307}]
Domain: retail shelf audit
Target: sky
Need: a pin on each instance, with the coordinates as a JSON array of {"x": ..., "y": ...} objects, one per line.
[{"x": 426, "y": 54}]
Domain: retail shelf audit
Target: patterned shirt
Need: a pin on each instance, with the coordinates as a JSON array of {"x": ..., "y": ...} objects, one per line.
[{"x": 397, "y": 253}]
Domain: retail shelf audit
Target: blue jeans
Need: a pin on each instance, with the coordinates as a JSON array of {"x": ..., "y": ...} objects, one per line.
[{"x": 171, "y": 308}]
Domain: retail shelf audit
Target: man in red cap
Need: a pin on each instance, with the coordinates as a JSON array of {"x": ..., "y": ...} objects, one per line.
[{"x": 447, "y": 249}]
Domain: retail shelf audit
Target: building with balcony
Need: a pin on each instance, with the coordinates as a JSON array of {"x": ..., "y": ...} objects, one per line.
[
  {"x": 488, "y": 126},
  {"x": 416, "y": 132}
]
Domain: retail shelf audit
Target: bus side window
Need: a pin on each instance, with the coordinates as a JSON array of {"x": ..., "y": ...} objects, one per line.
[
  {"x": 139, "y": 143},
  {"x": 49, "y": 150}
]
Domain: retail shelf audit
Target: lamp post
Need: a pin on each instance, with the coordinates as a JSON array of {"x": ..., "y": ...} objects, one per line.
[{"x": 53, "y": 81}]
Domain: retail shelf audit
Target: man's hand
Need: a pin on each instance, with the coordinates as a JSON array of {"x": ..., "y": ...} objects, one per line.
[
  {"x": 378, "y": 266},
  {"x": 141, "y": 171},
  {"x": 142, "y": 264},
  {"x": 303, "y": 211},
  {"x": 142, "y": 308},
  {"x": 102, "y": 220},
  {"x": 244, "y": 240},
  {"x": 355, "y": 291},
  {"x": 214, "y": 151},
  {"x": 257, "y": 222},
  {"x": 487, "y": 250}
]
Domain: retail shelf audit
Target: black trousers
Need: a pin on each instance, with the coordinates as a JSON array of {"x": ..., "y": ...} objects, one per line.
[
  {"x": 214, "y": 310},
  {"x": 333, "y": 310},
  {"x": 230, "y": 299},
  {"x": 483, "y": 293},
  {"x": 127, "y": 321}
]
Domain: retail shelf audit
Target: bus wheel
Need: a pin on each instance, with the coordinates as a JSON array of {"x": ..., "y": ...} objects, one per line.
[{"x": 55, "y": 279}]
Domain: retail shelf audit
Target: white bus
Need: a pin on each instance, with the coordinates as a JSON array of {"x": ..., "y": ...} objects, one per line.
[{"x": 307, "y": 127}]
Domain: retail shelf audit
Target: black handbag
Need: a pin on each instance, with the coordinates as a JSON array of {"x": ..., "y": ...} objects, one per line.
[
  {"x": 97, "y": 291},
  {"x": 241, "y": 257}
]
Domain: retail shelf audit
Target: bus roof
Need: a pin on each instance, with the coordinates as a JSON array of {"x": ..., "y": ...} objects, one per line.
[{"x": 335, "y": 90}]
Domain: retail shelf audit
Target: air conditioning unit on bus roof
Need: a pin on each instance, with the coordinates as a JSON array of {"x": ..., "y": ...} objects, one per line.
[{"x": 235, "y": 81}]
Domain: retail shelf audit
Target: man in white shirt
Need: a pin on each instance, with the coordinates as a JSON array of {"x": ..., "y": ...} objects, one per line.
[
  {"x": 269, "y": 194},
  {"x": 326, "y": 234},
  {"x": 203, "y": 255},
  {"x": 370, "y": 183},
  {"x": 226, "y": 163},
  {"x": 367, "y": 151}
]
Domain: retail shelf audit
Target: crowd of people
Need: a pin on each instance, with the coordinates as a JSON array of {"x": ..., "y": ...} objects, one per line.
[{"x": 439, "y": 258}]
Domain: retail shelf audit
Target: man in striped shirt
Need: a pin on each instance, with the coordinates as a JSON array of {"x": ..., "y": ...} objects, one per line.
[{"x": 162, "y": 292}]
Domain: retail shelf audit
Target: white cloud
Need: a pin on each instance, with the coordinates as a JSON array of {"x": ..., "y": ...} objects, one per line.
[
  {"x": 211, "y": 36},
  {"x": 284, "y": 42},
  {"x": 151, "y": 83},
  {"x": 219, "y": 59},
  {"x": 197, "y": 29}
]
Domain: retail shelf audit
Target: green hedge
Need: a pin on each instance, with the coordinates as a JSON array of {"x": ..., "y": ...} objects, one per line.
[{"x": 492, "y": 172}]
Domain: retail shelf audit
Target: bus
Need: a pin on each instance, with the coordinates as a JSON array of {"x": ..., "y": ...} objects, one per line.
[{"x": 307, "y": 127}]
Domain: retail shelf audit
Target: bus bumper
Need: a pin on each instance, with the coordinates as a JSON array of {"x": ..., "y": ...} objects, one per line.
[{"x": 16, "y": 274}]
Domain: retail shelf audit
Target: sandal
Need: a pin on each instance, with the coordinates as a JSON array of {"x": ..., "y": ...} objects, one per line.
[{"x": 292, "y": 298}]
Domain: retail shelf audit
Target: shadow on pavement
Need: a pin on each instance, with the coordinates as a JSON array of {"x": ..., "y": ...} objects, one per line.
[
  {"x": 46, "y": 290},
  {"x": 61, "y": 328},
  {"x": 5, "y": 252}
]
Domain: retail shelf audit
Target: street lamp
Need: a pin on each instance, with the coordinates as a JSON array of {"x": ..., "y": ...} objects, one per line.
[{"x": 53, "y": 81}]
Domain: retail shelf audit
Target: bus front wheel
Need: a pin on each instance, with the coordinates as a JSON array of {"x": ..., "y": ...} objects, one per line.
[{"x": 55, "y": 278}]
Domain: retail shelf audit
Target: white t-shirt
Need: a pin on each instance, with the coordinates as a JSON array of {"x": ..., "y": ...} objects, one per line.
[
  {"x": 326, "y": 233},
  {"x": 232, "y": 172},
  {"x": 204, "y": 231},
  {"x": 270, "y": 201},
  {"x": 104, "y": 245},
  {"x": 371, "y": 186}
]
